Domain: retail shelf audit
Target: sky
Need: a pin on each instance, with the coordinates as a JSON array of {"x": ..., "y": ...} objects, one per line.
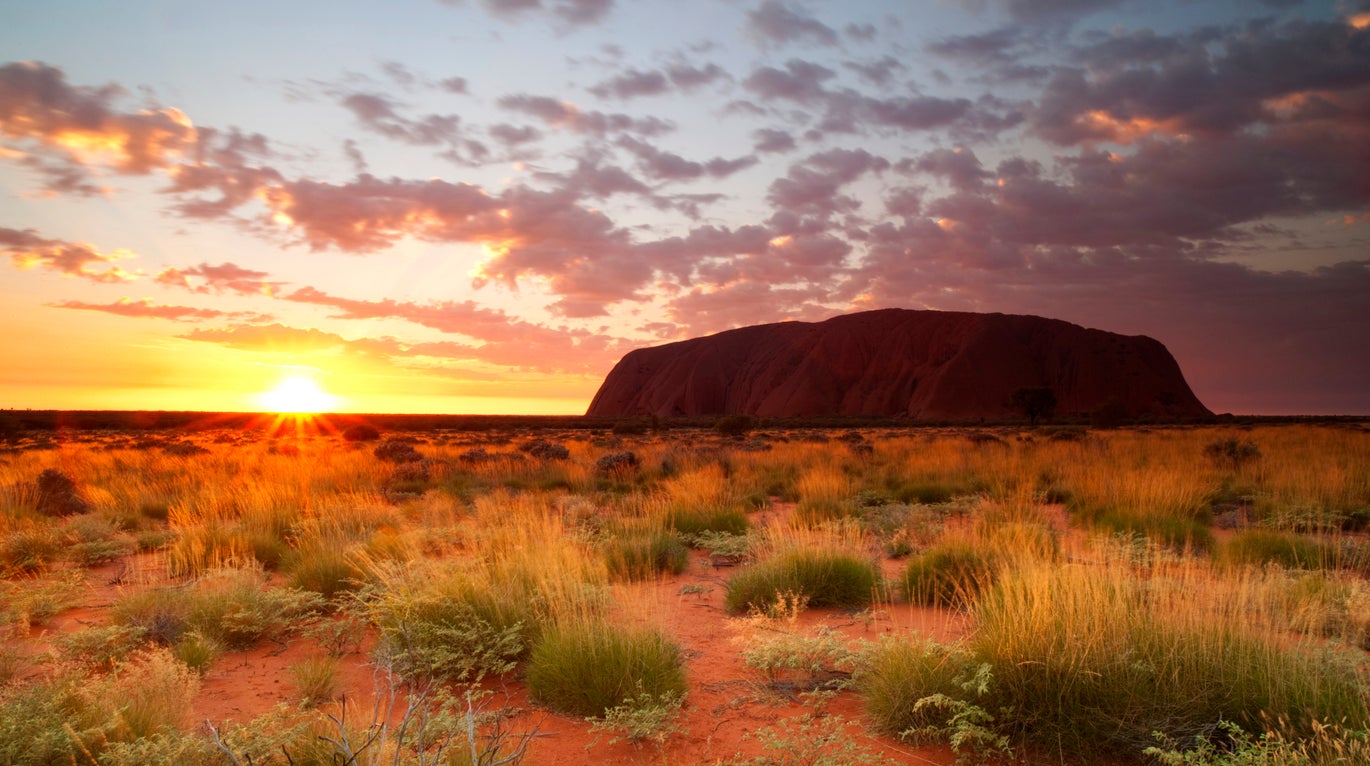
[{"x": 478, "y": 206}]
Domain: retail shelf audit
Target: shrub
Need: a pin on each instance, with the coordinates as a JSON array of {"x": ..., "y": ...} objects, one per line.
[
  {"x": 734, "y": 425},
  {"x": 397, "y": 451},
  {"x": 1231, "y": 453},
  {"x": 361, "y": 432},
  {"x": 949, "y": 574},
  {"x": 230, "y": 606},
  {"x": 588, "y": 667},
  {"x": 643, "y": 554},
  {"x": 58, "y": 495},
  {"x": 616, "y": 465},
  {"x": 450, "y": 626},
  {"x": 545, "y": 450},
  {"x": 824, "y": 578}
]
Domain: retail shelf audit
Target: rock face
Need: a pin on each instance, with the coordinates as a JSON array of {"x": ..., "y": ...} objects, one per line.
[{"x": 929, "y": 365}]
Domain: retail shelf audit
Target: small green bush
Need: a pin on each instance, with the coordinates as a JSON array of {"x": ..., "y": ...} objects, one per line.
[
  {"x": 949, "y": 574},
  {"x": 589, "y": 667},
  {"x": 823, "y": 578},
  {"x": 644, "y": 554}
]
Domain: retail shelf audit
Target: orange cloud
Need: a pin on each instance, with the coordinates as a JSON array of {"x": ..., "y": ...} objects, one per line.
[
  {"x": 145, "y": 308},
  {"x": 27, "y": 250},
  {"x": 37, "y": 105}
]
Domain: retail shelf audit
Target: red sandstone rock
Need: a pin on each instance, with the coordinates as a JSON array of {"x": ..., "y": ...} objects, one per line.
[{"x": 929, "y": 365}]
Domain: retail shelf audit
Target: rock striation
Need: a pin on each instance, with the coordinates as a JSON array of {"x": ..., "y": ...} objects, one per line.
[{"x": 926, "y": 365}]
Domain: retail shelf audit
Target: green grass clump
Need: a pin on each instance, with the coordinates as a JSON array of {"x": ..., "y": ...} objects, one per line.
[
  {"x": 316, "y": 679},
  {"x": 923, "y": 492},
  {"x": 1178, "y": 533},
  {"x": 948, "y": 574},
  {"x": 1097, "y": 660},
  {"x": 898, "y": 672},
  {"x": 644, "y": 554},
  {"x": 325, "y": 570},
  {"x": 696, "y": 520},
  {"x": 29, "y": 550},
  {"x": 1262, "y": 547},
  {"x": 587, "y": 667},
  {"x": 823, "y": 578}
]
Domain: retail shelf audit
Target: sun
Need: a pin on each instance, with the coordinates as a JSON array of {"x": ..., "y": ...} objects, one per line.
[{"x": 298, "y": 394}]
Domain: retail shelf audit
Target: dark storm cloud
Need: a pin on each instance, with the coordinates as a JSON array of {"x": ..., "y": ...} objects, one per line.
[{"x": 1209, "y": 84}]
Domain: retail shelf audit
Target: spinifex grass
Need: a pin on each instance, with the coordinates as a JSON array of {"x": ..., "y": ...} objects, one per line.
[
  {"x": 640, "y": 552},
  {"x": 587, "y": 666},
  {"x": 702, "y": 500},
  {"x": 825, "y": 567},
  {"x": 1091, "y": 658}
]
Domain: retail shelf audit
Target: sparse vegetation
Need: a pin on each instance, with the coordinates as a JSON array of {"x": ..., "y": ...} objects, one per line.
[{"x": 499, "y": 561}]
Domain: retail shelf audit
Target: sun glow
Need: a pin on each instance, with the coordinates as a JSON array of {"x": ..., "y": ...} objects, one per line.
[{"x": 298, "y": 394}]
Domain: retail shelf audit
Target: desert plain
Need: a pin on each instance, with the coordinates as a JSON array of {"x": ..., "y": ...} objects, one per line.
[{"x": 310, "y": 592}]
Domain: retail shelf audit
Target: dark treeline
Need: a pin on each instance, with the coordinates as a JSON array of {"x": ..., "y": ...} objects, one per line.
[{"x": 13, "y": 421}]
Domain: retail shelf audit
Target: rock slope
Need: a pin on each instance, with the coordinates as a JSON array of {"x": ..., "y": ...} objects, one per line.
[{"x": 927, "y": 365}]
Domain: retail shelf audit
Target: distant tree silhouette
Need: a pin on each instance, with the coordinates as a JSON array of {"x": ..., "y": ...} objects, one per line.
[{"x": 1035, "y": 402}]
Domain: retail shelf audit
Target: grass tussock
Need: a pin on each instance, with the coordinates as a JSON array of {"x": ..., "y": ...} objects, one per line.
[
  {"x": 587, "y": 667},
  {"x": 644, "y": 553},
  {"x": 1089, "y": 659},
  {"x": 949, "y": 574}
]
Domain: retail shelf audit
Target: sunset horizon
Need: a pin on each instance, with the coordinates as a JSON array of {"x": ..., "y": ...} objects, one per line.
[{"x": 478, "y": 207}]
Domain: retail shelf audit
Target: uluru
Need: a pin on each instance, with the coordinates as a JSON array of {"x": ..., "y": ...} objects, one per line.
[{"x": 923, "y": 365}]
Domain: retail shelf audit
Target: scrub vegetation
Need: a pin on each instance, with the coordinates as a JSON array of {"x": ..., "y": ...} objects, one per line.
[{"x": 1171, "y": 595}]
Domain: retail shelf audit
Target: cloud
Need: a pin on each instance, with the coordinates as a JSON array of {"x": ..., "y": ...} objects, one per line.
[
  {"x": 274, "y": 338},
  {"x": 1032, "y": 11},
  {"x": 772, "y": 141},
  {"x": 27, "y": 250},
  {"x": 636, "y": 83},
  {"x": 1210, "y": 83},
  {"x": 668, "y": 166},
  {"x": 571, "y": 12},
  {"x": 226, "y": 277},
  {"x": 377, "y": 114},
  {"x": 145, "y": 308},
  {"x": 813, "y": 185},
  {"x": 370, "y": 214},
  {"x": 66, "y": 129},
  {"x": 782, "y": 23},
  {"x": 563, "y": 114},
  {"x": 227, "y": 166},
  {"x": 845, "y": 110}
]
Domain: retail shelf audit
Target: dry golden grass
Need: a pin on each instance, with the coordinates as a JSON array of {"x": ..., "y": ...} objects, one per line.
[{"x": 1127, "y": 589}]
